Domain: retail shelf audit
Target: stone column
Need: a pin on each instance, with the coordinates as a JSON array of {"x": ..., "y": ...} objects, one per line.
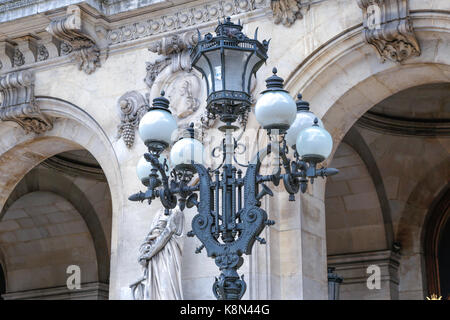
[{"x": 298, "y": 245}]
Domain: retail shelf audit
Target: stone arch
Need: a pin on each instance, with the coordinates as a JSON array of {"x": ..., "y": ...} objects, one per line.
[
  {"x": 3, "y": 272},
  {"x": 354, "y": 217},
  {"x": 38, "y": 181},
  {"x": 434, "y": 226},
  {"x": 413, "y": 217},
  {"x": 410, "y": 230},
  {"x": 344, "y": 77},
  {"x": 73, "y": 129},
  {"x": 353, "y": 138}
]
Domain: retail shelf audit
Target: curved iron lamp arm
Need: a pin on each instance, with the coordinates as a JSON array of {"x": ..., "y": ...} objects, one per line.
[{"x": 229, "y": 231}]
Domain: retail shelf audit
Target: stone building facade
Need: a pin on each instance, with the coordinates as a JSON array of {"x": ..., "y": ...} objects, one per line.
[{"x": 76, "y": 76}]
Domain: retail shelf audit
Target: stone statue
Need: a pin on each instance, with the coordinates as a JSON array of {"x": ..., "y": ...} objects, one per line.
[{"x": 160, "y": 256}]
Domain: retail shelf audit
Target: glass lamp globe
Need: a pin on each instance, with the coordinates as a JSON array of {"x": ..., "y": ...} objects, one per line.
[
  {"x": 144, "y": 168},
  {"x": 187, "y": 150},
  {"x": 157, "y": 125},
  {"x": 303, "y": 120},
  {"x": 314, "y": 144},
  {"x": 275, "y": 109}
]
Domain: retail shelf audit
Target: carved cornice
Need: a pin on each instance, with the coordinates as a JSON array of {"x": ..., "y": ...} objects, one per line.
[
  {"x": 131, "y": 106},
  {"x": 183, "y": 18},
  {"x": 403, "y": 126},
  {"x": 18, "y": 105},
  {"x": 84, "y": 49},
  {"x": 65, "y": 40},
  {"x": 388, "y": 27}
]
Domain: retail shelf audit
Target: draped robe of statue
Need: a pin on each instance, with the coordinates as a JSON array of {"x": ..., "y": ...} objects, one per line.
[{"x": 160, "y": 255}]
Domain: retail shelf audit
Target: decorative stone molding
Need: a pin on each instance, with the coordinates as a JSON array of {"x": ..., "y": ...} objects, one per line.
[
  {"x": 404, "y": 127},
  {"x": 18, "y": 58},
  {"x": 74, "y": 168},
  {"x": 173, "y": 73},
  {"x": 154, "y": 69},
  {"x": 173, "y": 48},
  {"x": 87, "y": 291},
  {"x": 7, "y": 52},
  {"x": 286, "y": 12},
  {"x": 84, "y": 49},
  {"x": 353, "y": 267},
  {"x": 183, "y": 18},
  {"x": 18, "y": 104},
  {"x": 132, "y": 106},
  {"x": 388, "y": 27}
]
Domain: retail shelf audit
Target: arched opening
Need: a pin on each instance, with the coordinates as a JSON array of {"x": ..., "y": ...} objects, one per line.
[
  {"x": 57, "y": 216},
  {"x": 437, "y": 246},
  {"x": 351, "y": 90},
  {"x": 55, "y": 163},
  {"x": 402, "y": 142}
]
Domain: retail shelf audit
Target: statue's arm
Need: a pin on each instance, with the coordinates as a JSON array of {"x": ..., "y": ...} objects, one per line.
[{"x": 162, "y": 239}]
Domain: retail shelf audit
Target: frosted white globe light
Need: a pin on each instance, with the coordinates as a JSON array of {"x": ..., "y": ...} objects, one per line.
[
  {"x": 186, "y": 151},
  {"x": 275, "y": 109},
  {"x": 314, "y": 144},
  {"x": 144, "y": 168},
  {"x": 158, "y": 124},
  {"x": 303, "y": 120}
]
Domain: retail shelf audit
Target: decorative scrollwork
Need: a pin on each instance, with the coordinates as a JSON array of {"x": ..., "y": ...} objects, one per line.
[
  {"x": 388, "y": 27},
  {"x": 19, "y": 105},
  {"x": 131, "y": 106},
  {"x": 84, "y": 49},
  {"x": 285, "y": 12}
]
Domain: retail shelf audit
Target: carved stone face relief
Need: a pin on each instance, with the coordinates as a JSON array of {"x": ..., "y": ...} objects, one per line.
[{"x": 184, "y": 90}]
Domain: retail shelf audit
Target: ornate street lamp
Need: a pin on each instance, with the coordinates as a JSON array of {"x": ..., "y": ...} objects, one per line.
[{"x": 230, "y": 218}]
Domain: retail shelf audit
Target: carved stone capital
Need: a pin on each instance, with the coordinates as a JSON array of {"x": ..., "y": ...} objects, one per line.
[
  {"x": 387, "y": 26},
  {"x": 71, "y": 30},
  {"x": 286, "y": 12},
  {"x": 131, "y": 106},
  {"x": 18, "y": 105}
]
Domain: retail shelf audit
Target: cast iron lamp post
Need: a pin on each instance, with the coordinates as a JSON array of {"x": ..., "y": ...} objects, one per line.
[{"x": 230, "y": 218}]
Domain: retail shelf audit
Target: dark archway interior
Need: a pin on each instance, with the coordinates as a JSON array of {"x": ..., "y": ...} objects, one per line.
[
  {"x": 58, "y": 215},
  {"x": 2, "y": 282},
  {"x": 444, "y": 261}
]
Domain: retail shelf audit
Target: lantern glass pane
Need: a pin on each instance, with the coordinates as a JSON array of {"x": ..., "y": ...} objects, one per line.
[
  {"x": 254, "y": 59},
  {"x": 216, "y": 74},
  {"x": 202, "y": 64},
  {"x": 235, "y": 61}
]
